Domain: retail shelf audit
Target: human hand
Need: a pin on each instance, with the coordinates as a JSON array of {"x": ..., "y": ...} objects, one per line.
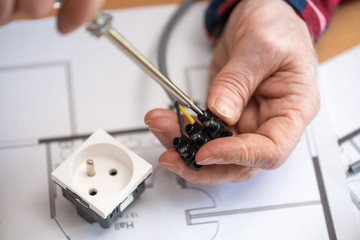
[
  {"x": 71, "y": 15},
  {"x": 263, "y": 77}
]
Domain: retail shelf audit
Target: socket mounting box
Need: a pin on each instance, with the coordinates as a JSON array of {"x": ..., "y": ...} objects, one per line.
[{"x": 116, "y": 180}]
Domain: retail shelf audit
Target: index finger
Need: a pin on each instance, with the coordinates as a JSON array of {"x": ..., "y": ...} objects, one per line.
[
  {"x": 209, "y": 175},
  {"x": 268, "y": 148},
  {"x": 75, "y": 13}
]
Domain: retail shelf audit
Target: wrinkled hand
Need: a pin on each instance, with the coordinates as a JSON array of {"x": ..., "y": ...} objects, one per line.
[
  {"x": 71, "y": 15},
  {"x": 263, "y": 76}
]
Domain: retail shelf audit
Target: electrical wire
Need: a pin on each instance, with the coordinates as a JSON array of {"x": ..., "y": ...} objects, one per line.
[
  {"x": 184, "y": 6},
  {"x": 186, "y": 114},
  {"x": 181, "y": 122}
]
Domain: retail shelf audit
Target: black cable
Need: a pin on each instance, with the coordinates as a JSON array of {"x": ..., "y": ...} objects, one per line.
[
  {"x": 181, "y": 122},
  {"x": 184, "y": 6},
  {"x": 162, "y": 52}
]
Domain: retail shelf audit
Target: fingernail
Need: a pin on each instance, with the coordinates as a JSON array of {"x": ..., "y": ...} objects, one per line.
[
  {"x": 147, "y": 122},
  {"x": 225, "y": 106},
  {"x": 172, "y": 167},
  {"x": 159, "y": 134},
  {"x": 209, "y": 161}
]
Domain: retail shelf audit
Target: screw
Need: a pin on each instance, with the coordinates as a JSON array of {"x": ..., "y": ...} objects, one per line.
[
  {"x": 207, "y": 123},
  {"x": 182, "y": 149},
  {"x": 195, "y": 136}
]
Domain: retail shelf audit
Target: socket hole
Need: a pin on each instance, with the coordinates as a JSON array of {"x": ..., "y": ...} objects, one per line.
[
  {"x": 113, "y": 172},
  {"x": 92, "y": 191}
]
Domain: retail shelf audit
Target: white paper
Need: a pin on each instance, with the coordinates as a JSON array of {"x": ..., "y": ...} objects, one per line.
[
  {"x": 341, "y": 82},
  {"x": 54, "y": 86}
]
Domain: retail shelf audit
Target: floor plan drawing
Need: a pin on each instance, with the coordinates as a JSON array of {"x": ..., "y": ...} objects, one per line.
[
  {"x": 350, "y": 154},
  {"x": 52, "y": 100},
  {"x": 341, "y": 89},
  {"x": 207, "y": 207}
]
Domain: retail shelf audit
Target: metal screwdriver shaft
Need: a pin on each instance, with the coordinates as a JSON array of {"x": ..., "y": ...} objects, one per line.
[{"x": 102, "y": 26}]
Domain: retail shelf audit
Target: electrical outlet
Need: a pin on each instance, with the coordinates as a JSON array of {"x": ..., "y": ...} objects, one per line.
[{"x": 102, "y": 178}]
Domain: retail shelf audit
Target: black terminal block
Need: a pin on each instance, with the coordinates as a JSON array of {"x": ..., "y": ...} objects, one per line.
[{"x": 211, "y": 127}]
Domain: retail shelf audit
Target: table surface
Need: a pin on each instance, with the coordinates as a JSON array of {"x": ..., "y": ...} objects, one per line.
[{"x": 343, "y": 33}]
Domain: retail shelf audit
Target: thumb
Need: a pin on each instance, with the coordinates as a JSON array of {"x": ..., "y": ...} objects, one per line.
[{"x": 235, "y": 83}]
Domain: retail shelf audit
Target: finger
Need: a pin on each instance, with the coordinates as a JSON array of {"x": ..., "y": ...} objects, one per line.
[
  {"x": 160, "y": 113},
  {"x": 232, "y": 87},
  {"x": 75, "y": 13},
  {"x": 248, "y": 122},
  {"x": 7, "y": 8},
  {"x": 34, "y": 8},
  {"x": 210, "y": 175},
  {"x": 164, "y": 113},
  {"x": 285, "y": 93},
  {"x": 268, "y": 148},
  {"x": 164, "y": 124}
]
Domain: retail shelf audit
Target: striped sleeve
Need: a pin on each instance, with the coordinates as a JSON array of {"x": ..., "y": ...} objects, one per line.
[
  {"x": 216, "y": 16},
  {"x": 316, "y": 13}
]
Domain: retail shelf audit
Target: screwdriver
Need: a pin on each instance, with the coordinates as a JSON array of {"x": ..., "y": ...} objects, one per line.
[{"x": 101, "y": 26}]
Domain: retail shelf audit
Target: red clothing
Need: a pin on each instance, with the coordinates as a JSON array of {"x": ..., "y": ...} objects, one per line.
[{"x": 316, "y": 13}]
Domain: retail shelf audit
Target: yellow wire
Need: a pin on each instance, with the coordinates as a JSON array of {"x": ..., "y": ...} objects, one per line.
[{"x": 186, "y": 114}]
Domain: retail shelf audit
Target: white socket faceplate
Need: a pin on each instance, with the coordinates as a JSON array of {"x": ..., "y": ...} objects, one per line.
[{"x": 118, "y": 172}]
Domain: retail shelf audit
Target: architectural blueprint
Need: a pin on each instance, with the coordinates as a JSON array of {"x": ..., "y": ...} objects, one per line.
[
  {"x": 341, "y": 88},
  {"x": 56, "y": 90}
]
